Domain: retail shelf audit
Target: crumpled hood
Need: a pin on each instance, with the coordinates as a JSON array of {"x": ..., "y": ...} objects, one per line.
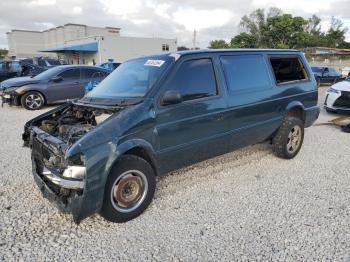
[
  {"x": 17, "y": 82},
  {"x": 342, "y": 86}
]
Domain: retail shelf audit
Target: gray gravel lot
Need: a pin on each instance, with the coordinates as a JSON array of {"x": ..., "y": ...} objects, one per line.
[{"x": 246, "y": 205}]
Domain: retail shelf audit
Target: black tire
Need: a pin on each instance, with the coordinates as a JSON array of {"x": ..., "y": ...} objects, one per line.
[
  {"x": 330, "y": 111},
  {"x": 318, "y": 81},
  {"x": 282, "y": 145},
  {"x": 113, "y": 211},
  {"x": 32, "y": 100}
]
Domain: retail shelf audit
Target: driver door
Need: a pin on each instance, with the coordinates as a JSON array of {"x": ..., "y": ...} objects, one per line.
[
  {"x": 68, "y": 87},
  {"x": 192, "y": 130}
]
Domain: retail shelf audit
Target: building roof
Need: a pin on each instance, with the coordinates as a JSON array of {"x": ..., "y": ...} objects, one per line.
[{"x": 84, "y": 47}]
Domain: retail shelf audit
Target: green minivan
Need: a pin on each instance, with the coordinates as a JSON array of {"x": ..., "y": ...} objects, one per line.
[{"x": 155, "y": 114}]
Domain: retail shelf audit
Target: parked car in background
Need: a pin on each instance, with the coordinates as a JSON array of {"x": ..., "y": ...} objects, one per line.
[
  {"x": 326, "y": 75},
  {"x": 16, "y": 68},
  {"x": 338, "y": 97},
  {"x": 44, "y": 62},
  {"x": 156, "y": 114},
  {"x": 51, "y": 86},
  {"x": 25, "y": 67},
  {"x": 109, "y": 65}
]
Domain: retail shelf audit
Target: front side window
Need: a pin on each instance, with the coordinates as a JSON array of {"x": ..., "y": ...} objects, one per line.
[
  {"x": 194, "y": 79},
  {"x": 245, "y": 72},
  {"x": 288, "y": 69},
  {"x": 70, "y": 74}
]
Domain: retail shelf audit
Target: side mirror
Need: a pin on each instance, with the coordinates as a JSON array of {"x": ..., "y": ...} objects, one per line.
[
  {"x": 56, "y": 79},
  {"x": 171, "y": 97}
]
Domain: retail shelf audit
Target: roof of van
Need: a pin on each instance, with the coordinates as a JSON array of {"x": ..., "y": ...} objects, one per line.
[{"x": 235, "y": 50}]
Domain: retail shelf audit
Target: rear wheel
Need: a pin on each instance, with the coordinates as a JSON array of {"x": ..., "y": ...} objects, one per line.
[
  {"x": 32, "y": 100},
  {"x": 289, "y": 138},
  {"x": 129, "y": 190}
]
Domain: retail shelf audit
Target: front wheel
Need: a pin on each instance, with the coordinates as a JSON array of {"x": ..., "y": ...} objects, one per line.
[
  {"x": 318, "y": 81},
  {"x": 129, "y": 190},
  {"x": 32, "y": 100},
  {"x": 289, "y": 138}
]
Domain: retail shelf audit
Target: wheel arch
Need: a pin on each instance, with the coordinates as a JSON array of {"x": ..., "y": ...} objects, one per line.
[
  {"x": 140, "y": 148},
  {"x": 32, "y": 90},
  {"x": 295, "y": 109}
]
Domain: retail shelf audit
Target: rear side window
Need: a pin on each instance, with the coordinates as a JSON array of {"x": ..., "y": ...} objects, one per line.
[
  {"x": 194, "y": 79},
  {"x": 2, "y": 66},
  {"x": 15, "y": 67},
  {"x": 245, "y": 72},
  {"x": 288, "y": 69},
  {"x": 70, "y": 74}
]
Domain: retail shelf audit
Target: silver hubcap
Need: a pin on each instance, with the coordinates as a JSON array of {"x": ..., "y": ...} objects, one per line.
[
  {"x": 129, "y": 191},
  {"x": 33, "y": 101},
  {"x": 294, "y": 139}
]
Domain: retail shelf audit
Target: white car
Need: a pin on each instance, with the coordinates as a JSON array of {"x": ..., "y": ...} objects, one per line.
[{"x": 338, "y": 97}]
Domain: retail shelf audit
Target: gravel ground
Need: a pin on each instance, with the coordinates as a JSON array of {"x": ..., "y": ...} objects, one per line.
[{"x": 246, "y": 205}]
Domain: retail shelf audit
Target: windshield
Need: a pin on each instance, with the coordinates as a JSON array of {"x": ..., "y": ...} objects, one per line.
[
  {"x": 132, "y": 79},
  {"x": 48, "y": 73}
]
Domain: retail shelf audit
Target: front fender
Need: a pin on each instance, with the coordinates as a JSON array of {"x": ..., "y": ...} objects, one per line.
[
  {"x": 99, "y": 162},
  {"x": 138, "y": 143}
]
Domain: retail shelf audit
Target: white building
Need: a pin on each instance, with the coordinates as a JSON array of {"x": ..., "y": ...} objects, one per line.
[{"x": 81, "y": 44}]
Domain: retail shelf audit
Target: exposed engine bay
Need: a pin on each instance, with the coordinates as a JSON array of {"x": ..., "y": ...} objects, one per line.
[{"x": 73, "y": 123}]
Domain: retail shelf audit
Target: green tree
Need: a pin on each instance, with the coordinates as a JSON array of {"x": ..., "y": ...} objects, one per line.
[
  {"x": 274, "y": 29},
  {"x": 255, "y": 24},
  {"x": 335, "y": 35},
  {"x": 3, "y": 53},
  {"x": 286, "y": 31},
  {"x": 314, "y": 25},
  {"x": 217, "y": 44},
  {"x": 244, "y": 40}
]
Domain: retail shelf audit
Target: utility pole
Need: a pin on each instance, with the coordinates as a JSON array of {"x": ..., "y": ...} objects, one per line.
[{"x": 194, "y": 39}]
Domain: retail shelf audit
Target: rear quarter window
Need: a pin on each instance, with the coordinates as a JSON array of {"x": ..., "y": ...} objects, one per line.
[
  {"x": 93, "y": 73},
  {"x": 70, "y": 74},
  {"x": 288, "y": 69},
  {"x": 245, "y": 72}
]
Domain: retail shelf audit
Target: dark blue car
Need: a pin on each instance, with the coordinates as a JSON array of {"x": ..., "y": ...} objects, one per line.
[
  {"x": 326, "y": 75},
  {"x": 54, "y": 85},
  {"x": 156, "y": 114}
]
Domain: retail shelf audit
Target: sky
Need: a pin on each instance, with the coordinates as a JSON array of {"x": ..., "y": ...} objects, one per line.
[{"x": 218, "y": 19}]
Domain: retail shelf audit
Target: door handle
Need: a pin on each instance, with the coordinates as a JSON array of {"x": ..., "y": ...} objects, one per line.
[{"x": 220, "y": 117}]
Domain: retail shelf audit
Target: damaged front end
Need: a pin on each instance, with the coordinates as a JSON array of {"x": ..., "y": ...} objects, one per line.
[
  {"x": 59, "y": 172},
  {"x": 9, "y": 97}
]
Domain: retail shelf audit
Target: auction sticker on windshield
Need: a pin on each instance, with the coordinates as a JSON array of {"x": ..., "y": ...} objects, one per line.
[{"x": 151, "y": 62}]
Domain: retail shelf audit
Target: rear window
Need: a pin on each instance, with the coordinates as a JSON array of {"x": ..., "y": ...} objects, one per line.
[
  {"x": 288, "y": 69},
  {"x": 245, "y": 72}
]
